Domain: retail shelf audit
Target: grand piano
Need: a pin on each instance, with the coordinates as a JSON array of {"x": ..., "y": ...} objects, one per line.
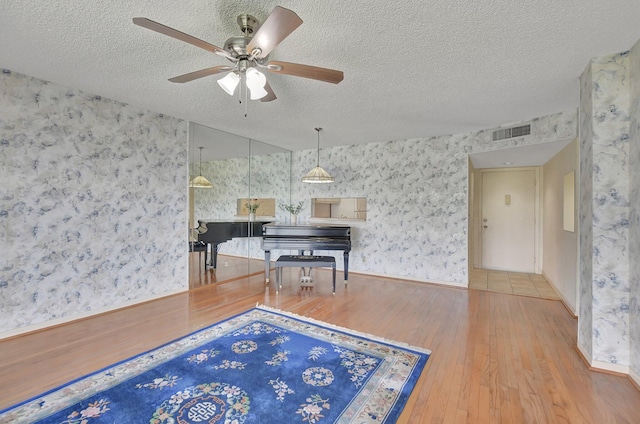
[
  {"x": 305, "y": 238},
  {"x": 217, "y": 232}
]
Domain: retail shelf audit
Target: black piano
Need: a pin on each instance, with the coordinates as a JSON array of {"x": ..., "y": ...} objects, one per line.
[
  {"x": 217, "y": 232},
  {"x": 305, "y": 238}
]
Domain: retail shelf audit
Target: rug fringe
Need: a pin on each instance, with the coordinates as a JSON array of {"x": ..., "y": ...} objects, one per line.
[{"x": 343, "y": 329}]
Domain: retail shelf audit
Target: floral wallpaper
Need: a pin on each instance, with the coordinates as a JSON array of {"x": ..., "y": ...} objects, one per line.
[
  {"x": 90, "y": 219},
  {"x": 634, "y": 221},
  {"x": 86, "y": 191},
  {"x": 585, "y": 216},
  {"x": 604, "y": 243},
  {"x": 417, "y": 197},
  {"x": 416, "y": 190}
]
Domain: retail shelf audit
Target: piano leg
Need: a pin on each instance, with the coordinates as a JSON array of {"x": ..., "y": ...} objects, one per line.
[
  {"x": 346, "y": 267},
  {"x": 267, "y": 259},
  {"x": 214, "y": 255}
]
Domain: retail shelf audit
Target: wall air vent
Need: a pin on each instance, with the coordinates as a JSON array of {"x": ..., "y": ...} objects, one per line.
[{"x": 511, "y": 132}]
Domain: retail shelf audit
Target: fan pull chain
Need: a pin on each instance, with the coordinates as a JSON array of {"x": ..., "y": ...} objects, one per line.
[
  {"x": 240, "y": 91},
  {"x": 246, "y": 102}
]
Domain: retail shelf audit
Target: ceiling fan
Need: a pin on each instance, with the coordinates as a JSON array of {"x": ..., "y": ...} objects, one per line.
[{"x": 249, "y": 53}]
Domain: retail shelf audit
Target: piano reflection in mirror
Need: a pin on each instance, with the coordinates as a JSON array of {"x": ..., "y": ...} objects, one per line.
[
  {"x": 305, "y": 238},
  {"x": 215, "y": 232}
]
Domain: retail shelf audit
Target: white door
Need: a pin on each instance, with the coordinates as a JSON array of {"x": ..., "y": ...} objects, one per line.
[{"x": 508, "y": 220}]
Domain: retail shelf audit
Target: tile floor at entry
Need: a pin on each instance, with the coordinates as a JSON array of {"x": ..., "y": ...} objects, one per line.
[{"x": 518, "y": 283}]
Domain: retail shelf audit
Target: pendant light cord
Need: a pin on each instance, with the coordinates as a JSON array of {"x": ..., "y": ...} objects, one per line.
[{"x": 318, "y": 130}]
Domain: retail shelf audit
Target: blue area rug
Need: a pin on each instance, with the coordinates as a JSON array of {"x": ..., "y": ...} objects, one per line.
[{"x": 263, "y": 366}]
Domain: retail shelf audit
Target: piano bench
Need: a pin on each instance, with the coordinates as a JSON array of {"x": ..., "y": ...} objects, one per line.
[
  {"x": 304, "y": 261},
  {"x": 198, "y": 246}
]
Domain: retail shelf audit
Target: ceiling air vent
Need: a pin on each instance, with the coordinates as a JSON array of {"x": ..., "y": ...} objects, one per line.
[{"x": 511, "y": 132}]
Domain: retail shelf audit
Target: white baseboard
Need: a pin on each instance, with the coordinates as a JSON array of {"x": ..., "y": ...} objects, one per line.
[
  {"x": 417, "y": 280},
  {"x": 635, "y": 377},
  {"x": 65, "y": 320},
  {"x": 396, "y": 277},
  {"x": 584, "y": 355},
  {"x": 570, "y": 307},
  {"x": 606, "y": 366}
]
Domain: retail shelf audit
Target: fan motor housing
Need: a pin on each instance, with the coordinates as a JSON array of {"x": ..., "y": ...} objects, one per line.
[
  {"x": 248, "y": 24},
  {"x": 237, "y": 46}
]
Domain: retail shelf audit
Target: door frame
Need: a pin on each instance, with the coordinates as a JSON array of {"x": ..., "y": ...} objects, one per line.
[{"x": 537, "y": 226}]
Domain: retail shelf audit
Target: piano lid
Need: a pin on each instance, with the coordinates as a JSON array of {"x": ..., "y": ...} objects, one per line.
[
  {"x": 285, "y": 230},
  {"x": 259, "y": 218},
  {"x": 282, "y": 225}
]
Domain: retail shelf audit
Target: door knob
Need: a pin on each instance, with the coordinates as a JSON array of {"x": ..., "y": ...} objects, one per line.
[{"x": 485, "y": 226}]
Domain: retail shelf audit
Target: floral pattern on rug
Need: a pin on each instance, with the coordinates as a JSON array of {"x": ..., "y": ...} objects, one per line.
[
  {"x": 263, "y": 366},
  {"x": 205, "y": 403}
]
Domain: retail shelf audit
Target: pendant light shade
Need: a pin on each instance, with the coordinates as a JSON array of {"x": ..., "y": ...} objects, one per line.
[
  {"x": 200, "y": 181},
  {"x": 229, "y": 83},
  {"x": 256, "y": 82},
  {"x": 254, "y": 79},
  {"x": 318, "y": 175}
]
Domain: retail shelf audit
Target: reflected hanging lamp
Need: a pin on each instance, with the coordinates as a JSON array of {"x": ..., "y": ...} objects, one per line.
[
  {"x": 318, "y": 175},
  {"x": 200, "y": 181}
]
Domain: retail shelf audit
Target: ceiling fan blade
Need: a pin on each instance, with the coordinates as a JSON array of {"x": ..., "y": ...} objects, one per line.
[
  {"x": 163, "y": 29},
  {"x": 201, "y": 73},
  {"x": 278, "y": 25},
  {"x": 306, "y": 71},
  {"x": 270, "y": 94}
]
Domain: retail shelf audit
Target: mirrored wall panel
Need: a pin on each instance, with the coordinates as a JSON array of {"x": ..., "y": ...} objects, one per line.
[
  {"x": 339, "y": 208},
  {"x": 270, "y": 184},
  {"x": 245, "y": 175}
]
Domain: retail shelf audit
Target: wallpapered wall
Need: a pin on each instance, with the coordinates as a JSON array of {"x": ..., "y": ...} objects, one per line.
[
  {"x": 417, "y": 197},
  {"x": 85, "y": 193},
  {"x": 605, "y": 250},
  {"x": 585, "y": 216},
  {"x": 634, "y": 224},
  {"x": 416, "y": 190},
  {"x": 85, "y": 187}
]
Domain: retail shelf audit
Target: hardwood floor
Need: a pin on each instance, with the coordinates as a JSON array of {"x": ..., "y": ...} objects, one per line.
[{"x": 495, "y": 357}]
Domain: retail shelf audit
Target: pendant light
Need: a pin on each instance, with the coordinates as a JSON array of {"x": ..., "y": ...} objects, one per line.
[
  {"x": 200, "y": 181},
  {"x": 317, "y": 174}
]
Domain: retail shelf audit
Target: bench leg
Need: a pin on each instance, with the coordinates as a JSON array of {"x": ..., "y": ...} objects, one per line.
[
  {"x": 267, "y": 264},
  {"x": 306, "y": 276},
  {"x": 334, "y": 278}
]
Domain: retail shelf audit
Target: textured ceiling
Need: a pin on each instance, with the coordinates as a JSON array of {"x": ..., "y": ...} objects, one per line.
[{"x": 413, "y": 68}]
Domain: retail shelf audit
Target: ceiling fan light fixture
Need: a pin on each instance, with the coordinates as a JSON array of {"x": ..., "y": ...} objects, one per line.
[
  {"x": 229, "y": 83},
  {"x": 318, "y": 175},
  {"x": 247, "y": 51},
  {"x": 257, "y": 93},
  {"x": 255, "y": 83}
]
